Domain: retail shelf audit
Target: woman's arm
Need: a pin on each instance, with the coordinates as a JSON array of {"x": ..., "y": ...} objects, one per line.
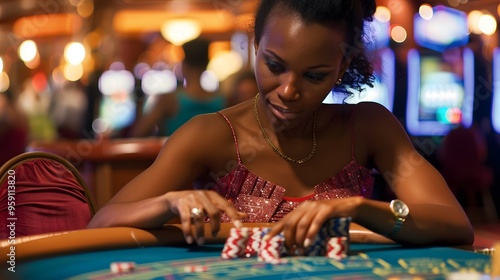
[
  {"x": 163, "y": 190},
  {"x": 435, "y": 216}
]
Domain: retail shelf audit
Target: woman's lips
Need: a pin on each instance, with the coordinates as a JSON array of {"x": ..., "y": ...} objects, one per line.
[{"x": 283, "y": 114}]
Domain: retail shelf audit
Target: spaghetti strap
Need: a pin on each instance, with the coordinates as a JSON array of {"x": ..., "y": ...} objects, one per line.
[
  {"x": 234, "y": 137},
  {"x": 352, "y": 132}
]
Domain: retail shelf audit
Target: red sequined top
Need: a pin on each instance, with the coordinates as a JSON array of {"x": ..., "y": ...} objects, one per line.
[{"x": 265, "y": 201}]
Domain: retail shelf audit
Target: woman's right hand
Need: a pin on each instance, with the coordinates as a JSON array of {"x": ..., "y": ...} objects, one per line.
[{"x": 186, "y": 204}]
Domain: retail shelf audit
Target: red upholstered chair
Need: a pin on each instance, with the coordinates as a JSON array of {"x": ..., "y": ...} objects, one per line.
[{"x": 42, "y": 193}]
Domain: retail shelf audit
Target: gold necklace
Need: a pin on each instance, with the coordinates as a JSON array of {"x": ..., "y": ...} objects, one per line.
[{"x": 275, "y": 149}]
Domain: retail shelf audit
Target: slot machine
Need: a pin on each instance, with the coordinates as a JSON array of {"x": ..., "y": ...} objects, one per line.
[
  {"x": 117, "y": 108},
  {"x": 440, "y": 74}
]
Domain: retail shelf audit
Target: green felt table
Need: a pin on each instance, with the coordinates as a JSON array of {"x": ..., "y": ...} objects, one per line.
[
  {"x": 365, "y": 261},
  {"x": 163, "y": 254}
]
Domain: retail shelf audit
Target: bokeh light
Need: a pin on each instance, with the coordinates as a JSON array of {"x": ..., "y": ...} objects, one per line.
[
  {"x": 399, "y": 34},
  {"x": 487, "y": 24},
  {"x": 74, "y": 53},
  {"x": 382, "y": 14},
  {"x": 473, "y": 19},
  {"x": 425, "y": 11},
  {"x": 27, "y": 50}
]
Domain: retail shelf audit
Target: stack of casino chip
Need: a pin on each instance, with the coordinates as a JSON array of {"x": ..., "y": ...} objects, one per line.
[
  {"x": 331, "y": 241},
  {"x": 271, "y": 249},
  {"x": 334, "y": 232},
  {"x": 236, "y": 243},
  {"x": 254, "y": 241}
]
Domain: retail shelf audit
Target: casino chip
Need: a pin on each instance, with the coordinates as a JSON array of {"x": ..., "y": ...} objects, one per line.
[
  {"x": 196, "y": 268},
  {"x": 331, "y": 241},
  {"x": 122, "y": 267}
]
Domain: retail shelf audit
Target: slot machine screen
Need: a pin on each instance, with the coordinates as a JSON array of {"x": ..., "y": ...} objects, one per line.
[
  {"x": 440, "y": 93},
  {"x": 157, "y": 82},
  {"x": 495, "y": 113},
  {"x": 446, "y": 28},
  {"x": 117, "y": 108}
]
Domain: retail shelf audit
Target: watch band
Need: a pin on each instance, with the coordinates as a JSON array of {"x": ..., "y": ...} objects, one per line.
[{"x": 397, "y": 227}]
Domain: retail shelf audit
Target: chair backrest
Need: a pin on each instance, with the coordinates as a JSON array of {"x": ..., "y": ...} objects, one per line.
[{"x": 40, "y": 193}]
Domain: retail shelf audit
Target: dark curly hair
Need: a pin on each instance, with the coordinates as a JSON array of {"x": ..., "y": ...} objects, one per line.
[{"x": 353, "y": 13}]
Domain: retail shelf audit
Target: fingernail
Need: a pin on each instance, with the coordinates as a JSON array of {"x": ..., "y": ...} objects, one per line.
[
  {"x": 189, "y": 240},
  {"x": 307, "y": 242},
  {"x": 266, "y": 237},
  {"x": 237, "y": 224},
  {"x": 200, "y": 240}
]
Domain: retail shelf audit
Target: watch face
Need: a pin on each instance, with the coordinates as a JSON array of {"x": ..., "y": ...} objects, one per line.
[{"x": 400, "y": 208}]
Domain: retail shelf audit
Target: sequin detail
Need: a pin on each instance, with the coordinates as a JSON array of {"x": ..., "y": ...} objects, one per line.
[{"x": 263, "y": 201}]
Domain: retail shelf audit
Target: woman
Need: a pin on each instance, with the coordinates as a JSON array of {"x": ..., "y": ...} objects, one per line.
[{"x": 286, "y": 157}]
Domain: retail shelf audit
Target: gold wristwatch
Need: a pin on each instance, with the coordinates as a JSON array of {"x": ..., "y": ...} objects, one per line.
[{"x": 400, "y": 211}]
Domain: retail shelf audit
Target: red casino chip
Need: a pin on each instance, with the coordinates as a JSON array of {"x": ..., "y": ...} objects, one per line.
[
  {"x": 254, "y": 240},
  {"x": 196, "y": 268},
  {"x": 122, "y": 267},
  {"x": 337, "y": 247},
  {"x": 270, "y": 249},
  {"x": 236, "y": 243}
]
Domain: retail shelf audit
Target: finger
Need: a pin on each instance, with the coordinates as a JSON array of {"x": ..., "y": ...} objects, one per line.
[
  {"x": 199, "y": 225},
  {"x": 213, "y": 213},
  {"x": 242, "y": 215},
  {"x": 289, "y": 230},
  {"x": 227, "y": 207},
  {"x": 286, "y": 226},
  {"x": 185, "y": 216},
  {"x": 312, "y": 231},
  {"x": 276, "y": 229},
  {"x": 302, "y": 229}
]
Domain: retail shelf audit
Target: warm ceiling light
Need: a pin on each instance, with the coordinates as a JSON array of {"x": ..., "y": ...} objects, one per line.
[
  {"x": 74, "y": 53},
  {"x": 382, "y": 14},
  {"x": 27, "y": 50},
  {"x": 179, "y": 31},
  {"x": 488, "y": 24}
]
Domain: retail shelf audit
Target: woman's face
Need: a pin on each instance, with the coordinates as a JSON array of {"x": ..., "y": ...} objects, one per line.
[{"x": 297, "y": 65}]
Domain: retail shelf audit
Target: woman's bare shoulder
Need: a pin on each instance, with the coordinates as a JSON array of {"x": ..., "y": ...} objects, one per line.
[
  {"x": 208, "y": 136},
  {"x": 374, "y": 117}
]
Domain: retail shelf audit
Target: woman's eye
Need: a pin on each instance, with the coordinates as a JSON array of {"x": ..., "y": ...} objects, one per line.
[
  {"x": 314, "y": 77},
  {"x": 274, "y": 67}
]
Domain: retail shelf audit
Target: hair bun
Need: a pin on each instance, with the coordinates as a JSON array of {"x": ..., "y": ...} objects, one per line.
[{"x": 369, "y": 7}]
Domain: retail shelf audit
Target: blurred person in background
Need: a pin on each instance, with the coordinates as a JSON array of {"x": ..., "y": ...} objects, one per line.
[
  {"x": 69, "y": 109},
  {"x": 14, "y": 128},
  {"x": 244, "y": 87},
  {"x": 172, "y": 110},
  {"x": 35, "y": 101}
]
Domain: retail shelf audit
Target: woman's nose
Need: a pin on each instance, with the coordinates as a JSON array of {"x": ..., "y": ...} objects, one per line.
[{"x": 289, "y": 89}]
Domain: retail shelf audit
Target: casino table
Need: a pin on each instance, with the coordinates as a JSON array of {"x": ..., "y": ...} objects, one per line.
[{"x": 88, "y": 254}]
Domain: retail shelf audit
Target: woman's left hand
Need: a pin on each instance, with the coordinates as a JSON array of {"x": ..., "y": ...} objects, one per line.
[{"x": 302, "y": 224}]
